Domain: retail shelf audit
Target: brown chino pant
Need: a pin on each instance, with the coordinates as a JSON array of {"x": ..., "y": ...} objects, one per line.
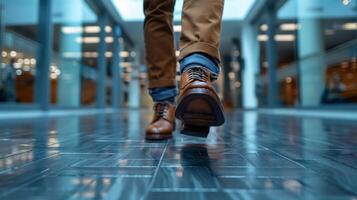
[{"x": 201, "y": 29}]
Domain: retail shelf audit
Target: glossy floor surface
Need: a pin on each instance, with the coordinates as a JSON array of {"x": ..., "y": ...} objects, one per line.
[{"x": 253, "y": 156}]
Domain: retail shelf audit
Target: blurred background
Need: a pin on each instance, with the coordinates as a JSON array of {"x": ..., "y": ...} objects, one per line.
[{"x": 59, "y": 54}]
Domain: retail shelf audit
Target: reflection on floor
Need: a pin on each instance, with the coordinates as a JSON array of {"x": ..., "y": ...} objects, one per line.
[{"x": 253, "y": 156}]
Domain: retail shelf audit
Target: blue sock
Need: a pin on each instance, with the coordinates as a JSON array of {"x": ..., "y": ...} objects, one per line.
[
  {"x": 163, "y": 94},
  {"x": 170, "y": 100},
  {"x": 202, "y": 60}
]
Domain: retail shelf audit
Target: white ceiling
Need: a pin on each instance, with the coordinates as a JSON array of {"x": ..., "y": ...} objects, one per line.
[
  {"x": 230, "y": 29},
  {"x": 323, "y": 9},
  {"x": 132, "y": 10},
  {"x": 64, "y": 11}
]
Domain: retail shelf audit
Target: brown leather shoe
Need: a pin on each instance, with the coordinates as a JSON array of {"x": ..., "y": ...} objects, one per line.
[
  {"x": 199, "y": 106},
  {"x": 163, "y": 123}
]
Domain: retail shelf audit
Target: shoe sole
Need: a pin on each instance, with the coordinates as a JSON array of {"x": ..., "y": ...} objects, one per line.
[
  {"x": 197, "y": 124},
  {"x": 193, "y": 130},
  {"x": 158, "y": 137}
]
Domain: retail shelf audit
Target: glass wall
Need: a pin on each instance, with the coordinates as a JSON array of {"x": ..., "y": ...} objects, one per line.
[
  {"x": 18, "y": 46},
  {"x": 316, "y": 48},
  {"x": 73, "y": 69}
]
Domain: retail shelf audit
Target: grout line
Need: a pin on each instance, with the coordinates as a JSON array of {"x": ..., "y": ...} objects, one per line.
[
  {"x": 42, "y": 174},
  {"x": 151, "y": 184},
  {"x": 5, "y": 115},
  {"x": 282, "y": 156},
  {"x": 324, "y": 114}
]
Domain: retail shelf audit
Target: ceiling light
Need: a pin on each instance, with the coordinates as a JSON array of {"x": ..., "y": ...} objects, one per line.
[
  {"x": 108, "y": 54},
  {"x": 53, "y": 76},
  {"x": 109, "y": 39},
  {"x": 13, "y": 53},
  {"x": 33, "y": 61},
  {"x": 87, "y": 40},
  {"x": 86, "y": 29},
  {"x": 177, "y": 28},
  {"x": 57, "y": 72},
  {"x": 262, "y": 38},
  {"x": 93, "y": 54},
  {"x": 278, "y": 38},
  {"x": 346, "y": 2},
  {"x": 124, "y": 54},
  {"x": 92, "y": 40},
  {"x": 96, "y": 29},
  {"x": 90, "y": 54},
  {"x": 289, "y": 27},
  {"x": 350, "y": 26},
  {"x": 53, "y": 67},
  {"x": 108, "y": 29},
  {"x": 285, "y": 37},
  {"x": 71, "y": 54},
  {"x": 72, "y": 29},
  {"x": 92, "y": 29},
  {"x": 27, "y": 61},
  {"x": 264, "y": 27},
  {"x": 231, "y": 75}
]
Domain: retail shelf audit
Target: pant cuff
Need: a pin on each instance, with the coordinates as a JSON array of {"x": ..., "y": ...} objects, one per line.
[
  {"x": 161, "y": 94},
  {"x": 162, "y": 83},
  {"x": 200, "y": 47}
]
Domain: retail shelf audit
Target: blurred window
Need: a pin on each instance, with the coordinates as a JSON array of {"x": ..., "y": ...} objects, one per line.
[
  {"x": 18, "y": 33},
  {"x": 316, "y": 44}
]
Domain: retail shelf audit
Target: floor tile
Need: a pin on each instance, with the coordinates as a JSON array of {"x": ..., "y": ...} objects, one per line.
[{"x": 105, "y": 156}]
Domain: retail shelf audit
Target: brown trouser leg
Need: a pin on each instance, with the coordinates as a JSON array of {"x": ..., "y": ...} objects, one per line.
[
  {"x": 201, "y": 28},
  {"x": 159, "y": 43}
]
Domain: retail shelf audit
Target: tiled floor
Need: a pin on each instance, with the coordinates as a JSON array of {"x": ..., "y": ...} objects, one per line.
[{"x": 253, "y": 156}]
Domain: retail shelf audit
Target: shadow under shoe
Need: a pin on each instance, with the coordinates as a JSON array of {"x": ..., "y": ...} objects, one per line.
[
  {"x": 163, "y": 123},
  {"x": 195, "y": 155},
  {"x": 199, "y": 106}
]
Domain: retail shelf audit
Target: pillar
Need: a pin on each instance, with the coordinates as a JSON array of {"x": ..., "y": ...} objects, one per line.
[
  {"x": 44, "y": 54},
  {"x": 116, "y": 69},
  {"x": 2, "y": 30},
  {"x": 271, "y": 49},
  {"x": 102, "y": 63},
  {"x": 69, "y": 82},
  {"x": 250, "y": 52},
  {"x": 311, "y": 69},
  {"x": 134, "y": 88}
]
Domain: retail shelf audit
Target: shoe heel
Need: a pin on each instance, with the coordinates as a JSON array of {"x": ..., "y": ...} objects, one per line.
[
  {"x": 214, "y": 118},
  {"x": 194, "y": 130}
]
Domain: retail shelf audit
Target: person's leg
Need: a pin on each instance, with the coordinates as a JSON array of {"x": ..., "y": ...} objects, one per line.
[
  {"x": 161, "y": 62},
  {"x": 198, "y": 105},
  {"x": 159, "y": 48},
  {"x": 201, "y": 31}
]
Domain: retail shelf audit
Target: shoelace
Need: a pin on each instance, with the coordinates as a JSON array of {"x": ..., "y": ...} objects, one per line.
[
  {"x": 197, "y": 74},
  {"x": 160, "y": 109}
]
